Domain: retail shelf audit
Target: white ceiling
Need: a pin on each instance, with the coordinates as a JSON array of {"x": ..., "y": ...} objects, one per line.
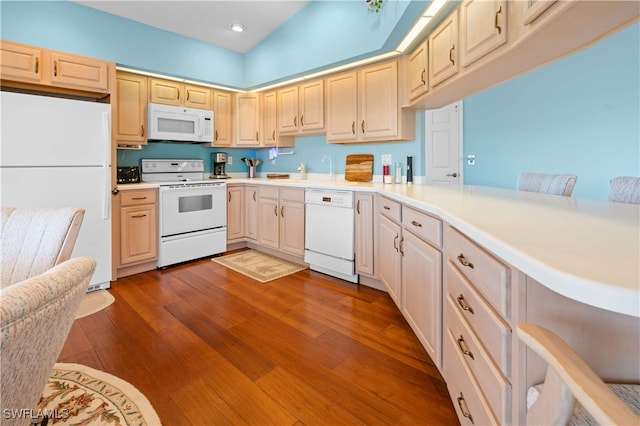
[{"x": 208, "y": 21}]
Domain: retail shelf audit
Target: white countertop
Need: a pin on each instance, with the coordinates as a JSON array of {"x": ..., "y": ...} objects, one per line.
[{"x": 587, "y": 250}]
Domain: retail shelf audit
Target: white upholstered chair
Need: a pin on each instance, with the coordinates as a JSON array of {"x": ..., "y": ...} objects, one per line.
[
  {"x": 556, "y": 184},
  {"x": 570, "y": 379},
  {"x": 625, "y": 189},
  {"x": 33, "y": 240},
  {"x": 35, "y": 317}
]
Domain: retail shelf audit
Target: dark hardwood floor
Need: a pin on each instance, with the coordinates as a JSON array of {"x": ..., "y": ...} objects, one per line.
[{"x": 208, "y": 345}]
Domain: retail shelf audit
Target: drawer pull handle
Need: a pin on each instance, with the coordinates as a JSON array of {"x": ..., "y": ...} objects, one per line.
[
  {"x": 463, "y": 260},
  {"x": 395, "y": 243},
  {"x": 401, "y": 249},
  {"x": 138, "y": 198},
  {"x": 353, "y": 127},
  {"x": 282, "y": 211},
  {"x": 465, "y": 411},
  {"x": 497, "y": 26},
  {"x": 229, "y": 194},
  {"x": 358, "y": 207},
  {"x": 464, "y": 350},
  {"x": 463, "y": 304},
  {"x": 275, "y": 210},
  {"x": 386, "y": 207},
  {"x": 138, "y": 216},
  {"x": 37, "y": 68},
  {"x": 418, "y": 224},
  {"x": 254, "y": 195},
  {"x": 453, "y": 63}
]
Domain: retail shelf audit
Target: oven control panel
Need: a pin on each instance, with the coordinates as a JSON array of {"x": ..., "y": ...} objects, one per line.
[{"x": 172, "y": 166}]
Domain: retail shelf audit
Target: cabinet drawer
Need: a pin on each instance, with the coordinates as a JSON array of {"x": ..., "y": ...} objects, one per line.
[
  {"x": 490, "y": 276},
  {"x": 295, "y": 195},
  {"x": 495, "y": 387},
  {"x": 390, "y": 208},
  {"x": 138, "y": 196},
  {"x": 471, "y": 407},
  {"x": 269, "y": 192},
  {"x": 485, "y": 322},
  {"x": 424, "y": 226}
]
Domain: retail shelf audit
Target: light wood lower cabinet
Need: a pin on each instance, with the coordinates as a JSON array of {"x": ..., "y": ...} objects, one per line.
[
  {"x": 365, "y": 234},
  {"x": 235, "y": 213},
  {"x": 390, "y": 257},
  {"x": 138, "y": 226},
  {"x": 281, "y": 219},
  {"x": 251, "y": 212}
]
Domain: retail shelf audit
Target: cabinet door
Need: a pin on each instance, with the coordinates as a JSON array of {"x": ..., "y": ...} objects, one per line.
[
  {"x": 483, "y": 28},
  {"x": 222, "y": 119},
  {"x": 418, "y": 71},
  {"x": 422, "y": 292},
  {"x": 378, "y": 101},
  {"x": 365, "y": 243},
  {"x": 288, "y": 110},
  {"x": 131, "y": 108},
  {"x": 390, "y": 261},
  {"x": 138, "y": 233},
  {"x": 235, "y": 220},
  {"x": 342, "y": 107},
  {"x": 76, "y": 72},
  {"x": 197, "y": 97},
  {"x": 269, "y": 119},
  {"x": 292, "y": 227},
  {"x": 251, "y": 212},
  {"x": 165, "y": 92},
  {"x": 247, "y": 120},
  {"x": 21, "y": 63},
  {"x": 311, "y": 104},
  {"x": 443, "y": 50},
  {"x": 269, "y": 221}
]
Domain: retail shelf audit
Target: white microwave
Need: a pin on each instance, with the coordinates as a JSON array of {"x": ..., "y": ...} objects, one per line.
[{"x": 179, "y": 124}]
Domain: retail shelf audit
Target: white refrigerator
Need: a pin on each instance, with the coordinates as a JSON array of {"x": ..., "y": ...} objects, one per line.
[{"x": 56, "y": 152}]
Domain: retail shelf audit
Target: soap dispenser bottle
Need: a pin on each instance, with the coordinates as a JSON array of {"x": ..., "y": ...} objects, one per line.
[{"x": 303, "y": 171}]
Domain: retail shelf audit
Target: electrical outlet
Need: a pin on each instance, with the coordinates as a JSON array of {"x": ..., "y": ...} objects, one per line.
[
  {"x": 386, "y": 159},
  {"x": 471, "y": 160},
  {"x": 229, "y": 159}
]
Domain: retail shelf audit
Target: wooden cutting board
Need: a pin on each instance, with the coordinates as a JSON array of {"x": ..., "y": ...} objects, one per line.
[{"x": 359, "y": 168}]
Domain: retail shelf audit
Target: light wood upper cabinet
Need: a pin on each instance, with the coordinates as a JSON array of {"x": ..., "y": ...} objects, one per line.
[
  {"x": 418, "y": 68},
  {"x": 269, "y": 119},
  {"x": 77, "y": 72},
  {"x": 342, "y": 107},
  {"x": 301, "y": 108},
  {"x": 483, "y": 28},
  {"x": 247, "y": 120},
  {"x": 222, "y": 118},
  {"x": 20, "y": 62},
  {"x": 443, "y": 50},
  {"x": 169, "y": 92},
  {"x": 364, "y": 106},
  {"x": 130, "y": 112}
]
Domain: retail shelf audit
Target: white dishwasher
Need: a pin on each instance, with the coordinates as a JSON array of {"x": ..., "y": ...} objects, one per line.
[{"x": 329, "y": 233}]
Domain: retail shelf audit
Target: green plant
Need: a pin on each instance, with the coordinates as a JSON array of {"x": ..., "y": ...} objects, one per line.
[{"x": 375, "y": 5}]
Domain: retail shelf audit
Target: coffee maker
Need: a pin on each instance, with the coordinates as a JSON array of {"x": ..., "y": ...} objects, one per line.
[{"x": 219, "y": 162}]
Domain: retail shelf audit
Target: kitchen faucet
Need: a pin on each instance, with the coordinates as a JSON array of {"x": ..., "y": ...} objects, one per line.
[{"x": 330, "y": 166}]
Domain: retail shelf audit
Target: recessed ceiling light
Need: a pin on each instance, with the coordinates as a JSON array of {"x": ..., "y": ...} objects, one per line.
[{"x": 237, "y": 26}]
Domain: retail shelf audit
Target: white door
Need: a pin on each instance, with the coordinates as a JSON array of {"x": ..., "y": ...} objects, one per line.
[{"x": 443, "y": 144}]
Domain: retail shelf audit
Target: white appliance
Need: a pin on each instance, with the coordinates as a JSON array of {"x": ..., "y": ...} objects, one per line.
[
  {"x": 330, "y": 233},
  {"x": 193, "y": 211},
  {"x": 180, "y": 124},
  {"x": 56, "y": 153}
]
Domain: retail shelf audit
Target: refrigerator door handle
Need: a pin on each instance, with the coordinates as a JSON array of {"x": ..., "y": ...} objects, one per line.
[{"x": 106, "y": 198}]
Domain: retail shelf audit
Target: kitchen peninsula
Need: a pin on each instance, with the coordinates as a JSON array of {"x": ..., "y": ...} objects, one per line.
[{"x": 538, "y": 258}]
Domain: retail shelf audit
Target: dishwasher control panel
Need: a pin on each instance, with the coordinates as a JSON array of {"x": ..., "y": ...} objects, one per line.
[{"x": 329, "y": 197}]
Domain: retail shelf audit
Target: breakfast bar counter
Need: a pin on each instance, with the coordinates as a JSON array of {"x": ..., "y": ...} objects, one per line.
[{"x": 586, "y": 250}]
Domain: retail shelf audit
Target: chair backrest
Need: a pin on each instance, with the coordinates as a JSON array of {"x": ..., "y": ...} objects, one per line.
[
  {"x": 569, "y": 379},
  {"x": 625, "y": 189},
  {"x": 33, "y": 240},
  {"x": 35, "y": 317},
  {"x": 561, "y": 184}
]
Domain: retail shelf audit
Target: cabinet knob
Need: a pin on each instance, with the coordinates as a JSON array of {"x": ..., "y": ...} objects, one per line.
[{"x": 115, "y": 191}]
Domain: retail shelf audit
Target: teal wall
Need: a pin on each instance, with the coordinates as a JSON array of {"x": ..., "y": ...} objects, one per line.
[{"x": 578, "y": 115}]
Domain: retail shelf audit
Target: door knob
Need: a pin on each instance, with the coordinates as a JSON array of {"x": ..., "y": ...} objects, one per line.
[{"x": 453, "y": 174}]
